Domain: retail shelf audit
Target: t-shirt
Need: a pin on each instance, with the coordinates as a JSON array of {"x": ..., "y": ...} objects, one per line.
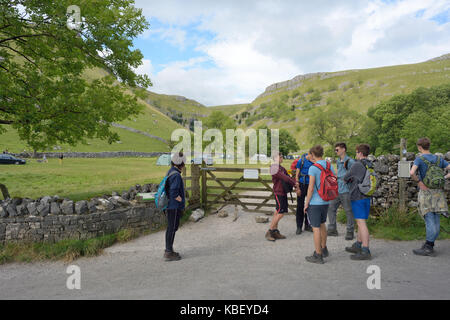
[
  {"x": 422, "y": 166},
  {"x": 303, "y": 177},
  {"x": 316, "y": 172}
]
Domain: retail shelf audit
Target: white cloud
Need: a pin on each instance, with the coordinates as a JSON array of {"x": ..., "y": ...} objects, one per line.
[{"x": 261, "y": 42}]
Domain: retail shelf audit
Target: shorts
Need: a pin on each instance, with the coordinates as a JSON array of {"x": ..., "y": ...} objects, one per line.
[
  {"x": 281, "y": 204},
  {"x": 317, "y": 215},
  {"x": 361, "y": 208}
]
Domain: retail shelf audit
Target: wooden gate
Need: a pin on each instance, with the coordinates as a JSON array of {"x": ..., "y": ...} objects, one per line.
[{"x": 216, "y": 187}]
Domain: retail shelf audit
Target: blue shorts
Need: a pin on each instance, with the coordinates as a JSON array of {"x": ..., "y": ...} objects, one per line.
[{"x": 361, "y": 208}]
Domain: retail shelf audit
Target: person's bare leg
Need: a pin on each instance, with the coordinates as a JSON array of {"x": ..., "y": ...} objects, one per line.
[
  {"x": 276, "y": 218},
  {"x": 317, "y": 239},
  {"x": 363, "y": 232},
  {"x": 323, "y": 235}
]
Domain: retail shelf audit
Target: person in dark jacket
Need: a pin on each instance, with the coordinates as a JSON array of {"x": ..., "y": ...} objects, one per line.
[
  {"x": 279, "y": 176},
  {"x": 175, "y": 208},
  {"x": 360, "y": 203}
]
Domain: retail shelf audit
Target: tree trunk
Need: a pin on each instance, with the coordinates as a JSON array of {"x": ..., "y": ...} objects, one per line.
[{"x": 4, "y": 191}]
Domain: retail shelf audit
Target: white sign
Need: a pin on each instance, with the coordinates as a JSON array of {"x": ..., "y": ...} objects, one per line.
[
  {"x": 403, "y": 169},
  {"x": 250, "y": 173}
]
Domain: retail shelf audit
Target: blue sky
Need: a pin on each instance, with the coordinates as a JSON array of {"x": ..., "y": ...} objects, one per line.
[{"x": 226, "y": 52}]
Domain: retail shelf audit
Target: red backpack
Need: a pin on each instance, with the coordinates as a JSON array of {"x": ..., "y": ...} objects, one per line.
[{"x": 329, "y": 189}]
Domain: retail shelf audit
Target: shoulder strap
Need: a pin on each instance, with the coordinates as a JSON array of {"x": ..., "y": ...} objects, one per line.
[
  {"x": 425, "y": 160},
  {"x": 302, "y": 162}
]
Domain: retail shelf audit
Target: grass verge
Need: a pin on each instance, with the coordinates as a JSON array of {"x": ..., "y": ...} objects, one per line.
[{"x": 392, "y": 224}]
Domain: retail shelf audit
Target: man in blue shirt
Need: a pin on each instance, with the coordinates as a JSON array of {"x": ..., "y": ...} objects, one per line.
[
  {"x": 316, "y": 207},
  {"x": 432, "y": 202},
  {"x": 344, "y": 163},
  {"x": 302, "y": 184}
]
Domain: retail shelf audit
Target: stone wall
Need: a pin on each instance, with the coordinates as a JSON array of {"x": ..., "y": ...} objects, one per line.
[
  {"x": 105, "y": 154},
  {"x": 51, "y": 218},
  {"x": 387, "y": 193}
]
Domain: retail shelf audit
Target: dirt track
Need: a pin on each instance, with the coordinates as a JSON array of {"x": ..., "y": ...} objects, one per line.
[{"x": 223, "y": 259}]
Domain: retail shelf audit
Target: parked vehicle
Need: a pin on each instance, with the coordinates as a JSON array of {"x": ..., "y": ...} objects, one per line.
[{"x": 9, "y": 159}]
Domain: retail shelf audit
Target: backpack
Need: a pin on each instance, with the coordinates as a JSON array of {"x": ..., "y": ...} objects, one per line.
[
  {"x": 161, "y": 197},
  {"x": 294, "y": 164},
  {"x": 329, "y": 189},
  {"x": 369, "y": 184},
  {"x": 434, "y": 177}
]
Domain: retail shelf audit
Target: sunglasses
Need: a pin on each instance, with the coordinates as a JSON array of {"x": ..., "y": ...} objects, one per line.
[{"x": 336, "y": 150}]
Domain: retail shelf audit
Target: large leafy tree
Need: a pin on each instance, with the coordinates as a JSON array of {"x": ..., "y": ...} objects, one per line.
[
  {"x": 338, "y": 123},
  {"x": 424, "y": 112},
  {"x": 44, "y": 91}
]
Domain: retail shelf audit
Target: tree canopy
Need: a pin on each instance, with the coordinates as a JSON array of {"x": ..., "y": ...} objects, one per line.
[
  {"x": 423, "y": 113},
  {"x": 45, "y": 93}
]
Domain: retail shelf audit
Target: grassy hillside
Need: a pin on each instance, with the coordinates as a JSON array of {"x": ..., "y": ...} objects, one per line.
[{"x": 359, "y": 89}]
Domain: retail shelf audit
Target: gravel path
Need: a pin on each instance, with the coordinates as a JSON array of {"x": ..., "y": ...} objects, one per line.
[{"x": 223, "y": 259}]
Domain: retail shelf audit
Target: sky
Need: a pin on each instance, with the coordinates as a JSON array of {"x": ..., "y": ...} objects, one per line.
[{"x": 229, "y": 51}]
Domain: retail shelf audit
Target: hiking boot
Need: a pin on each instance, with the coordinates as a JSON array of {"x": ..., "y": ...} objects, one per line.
[
  {"x": 171, "y": 256},
  {"x": 364, "y": 254},
  {"x": 355, "y": 248},
  {"x": 332, "y": 233},
  {"x": 308, "y": 228},
  {"x": 299, "y": 231},
  {"x": 325, "y": 252},
  {"x": 277, "y": 235},
  {"x": 349, "y": 235},
  {"x": 269, "y": 236},
  {"x": 426, "y": 250},
  {"x": 315, "y": 258}
]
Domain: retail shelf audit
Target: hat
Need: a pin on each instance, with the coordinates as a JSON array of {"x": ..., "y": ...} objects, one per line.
[{"x": 178, "y": 158}]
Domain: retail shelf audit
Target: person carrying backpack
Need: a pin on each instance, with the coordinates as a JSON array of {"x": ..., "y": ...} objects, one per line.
[
  {"x": 282, "y": 184},
  {"x": 344, "y": 163},
  {"x": 432, "y": 199},
  {"x": 360, "y": 201},
  {"x": 302, "y": 178},
  {"x": 176, "y": 204},
  {"x": 322, "y": 188}
]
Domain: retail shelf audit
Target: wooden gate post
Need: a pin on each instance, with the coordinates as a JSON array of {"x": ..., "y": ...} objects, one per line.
[
  {"x": 204, "y": 191},
  {"x": 402, "y": 181},
  {"x": 195, "y": 183}
]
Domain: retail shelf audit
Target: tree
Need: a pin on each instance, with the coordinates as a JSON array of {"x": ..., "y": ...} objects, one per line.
[
  {"x": 287, "y": 142},
  {"x": 46, "y": 94},
  {"x": 338, "y": 123},
  {"x": 424, "y": 112}
]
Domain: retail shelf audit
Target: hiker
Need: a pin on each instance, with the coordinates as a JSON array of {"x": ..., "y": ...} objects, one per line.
[
  {"x": 302, "y": 182},
  {"x": 175, "y": 208},
  {"x": 432, "y": 199},
  {"x": 344, "y": 163},
  {"x": 282, "y": 184},
  {"x": 315, "y": 206},
  {"x": 360, "y": 203}
]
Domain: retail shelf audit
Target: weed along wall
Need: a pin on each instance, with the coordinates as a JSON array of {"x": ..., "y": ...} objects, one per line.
[{"x": 52, "y": 219}]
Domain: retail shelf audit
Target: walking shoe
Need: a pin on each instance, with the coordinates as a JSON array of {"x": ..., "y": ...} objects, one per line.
[
  {"x": 325, "y": 252},
  {"x": 277, "y": 235},
  {"x": 308, "y": 228},
  {"x": 299, "y": 231},
  {"x": 426, "y": 250},
  {"x": 364, "y": 254},
  {"x": 349, "y": 235},
  {"x": 171, "y": 256},
  {"x": 269, "y": 236},
  {"x": 332, "y": 233},
  {"x": 315, "y": 258},
  {"x": 355, "y": 248}
]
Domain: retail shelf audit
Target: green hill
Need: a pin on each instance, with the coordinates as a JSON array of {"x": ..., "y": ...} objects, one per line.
[{"x": 289, "y": 104}]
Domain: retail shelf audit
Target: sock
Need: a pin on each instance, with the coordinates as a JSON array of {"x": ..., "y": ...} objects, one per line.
[{"x": 358, "y": 244}]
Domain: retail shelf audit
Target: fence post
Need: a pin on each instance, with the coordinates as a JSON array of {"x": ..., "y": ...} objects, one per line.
[
  {"x": 4, "y": 191},
  {"x": 204, "y": 192},
  {"x": 402, "y": 181},
  {"x": 195, "y": 183}
]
